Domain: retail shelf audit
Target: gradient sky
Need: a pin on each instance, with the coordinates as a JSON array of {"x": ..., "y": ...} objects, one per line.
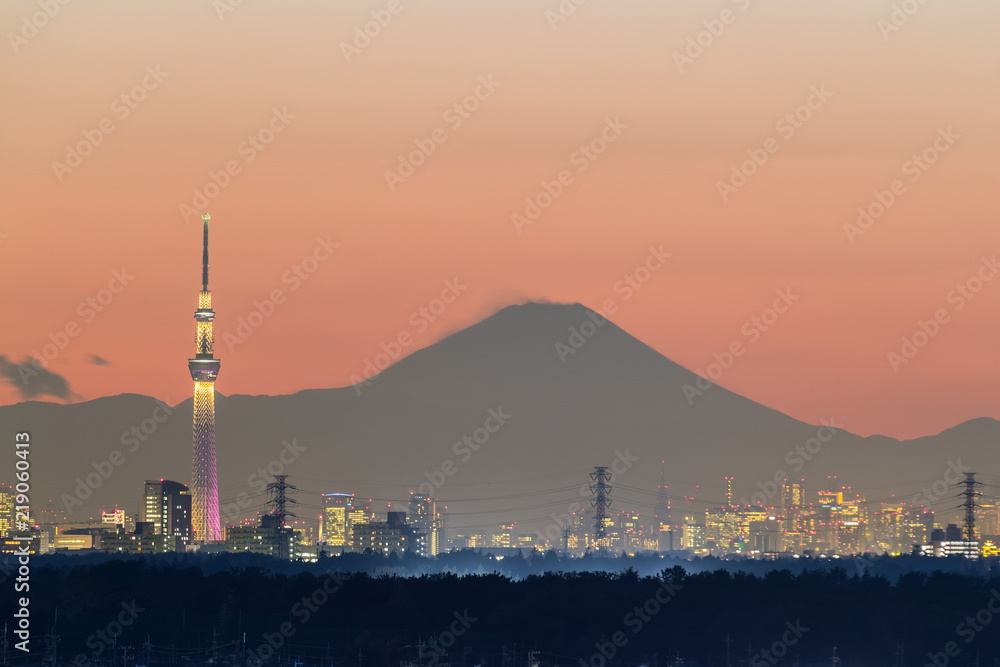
[{"x": 323, "y": 176}]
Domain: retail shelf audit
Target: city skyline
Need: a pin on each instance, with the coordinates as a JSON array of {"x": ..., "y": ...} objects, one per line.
[{"x": 833, "y": 519}]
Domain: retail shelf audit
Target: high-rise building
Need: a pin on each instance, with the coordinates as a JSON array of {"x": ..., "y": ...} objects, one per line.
[
  {"x": 661, "y": 512},
  {"x": 577, "y": 534},
  {"x": 793, "y": 494},
  {"x": 506, "y": 537},
  {"x": 204, "y": 370},
  {"x": 166, "y": 505},
  {"x": 631, "y": 532},
  {"x": 692, "y": 533},
  {"x": 423, "y": 518},
  {"x": 442, "y": 529},
  {"x": 988, "y": 517},
  {"x": 6, "y": 510},
  {"x": 335, "y": 522},
  {"x": 362, "y": 513},
  {"x": 612, "y": 537},
  {"x": 729, "y": 493},
  {"x": 793, "y": 503},
  {"x": 765, "y": 535}
]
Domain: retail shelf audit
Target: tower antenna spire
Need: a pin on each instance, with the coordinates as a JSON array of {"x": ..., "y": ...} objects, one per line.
[{"x": 204, "y": 255}]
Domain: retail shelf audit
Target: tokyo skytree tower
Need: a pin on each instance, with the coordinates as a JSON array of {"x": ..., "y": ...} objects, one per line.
[{"x": 204, "y": 370}]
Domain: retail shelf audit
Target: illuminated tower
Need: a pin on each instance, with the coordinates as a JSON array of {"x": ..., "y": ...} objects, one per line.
[{"x": 204, "y": 369}]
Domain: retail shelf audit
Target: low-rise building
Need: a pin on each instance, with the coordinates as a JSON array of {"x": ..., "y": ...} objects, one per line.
[
  {"x": 391, "y": 536},
  {"x": 144, "y": 540},
  {"x": 271, "y": 538}
]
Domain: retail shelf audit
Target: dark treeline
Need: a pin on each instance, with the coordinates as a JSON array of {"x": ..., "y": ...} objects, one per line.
[
  {"x": 313, "y": 614},
  {"x": 526, "y": 563}
]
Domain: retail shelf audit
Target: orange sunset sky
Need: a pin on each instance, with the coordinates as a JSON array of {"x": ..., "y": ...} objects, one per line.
[{"x": 348, "y": 114}]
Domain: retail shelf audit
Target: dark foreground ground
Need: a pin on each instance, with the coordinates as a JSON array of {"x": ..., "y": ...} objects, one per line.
[{"x": 197, "y": 610}]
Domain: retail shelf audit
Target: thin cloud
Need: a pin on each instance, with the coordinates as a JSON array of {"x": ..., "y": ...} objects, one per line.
[
  {"x": 98, "y": 360},
  {"x": 32, "y": 380}
]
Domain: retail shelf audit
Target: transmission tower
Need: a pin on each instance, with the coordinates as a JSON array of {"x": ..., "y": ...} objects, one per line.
[
  {"x": 278, "y": 490},
  {"x": 600, "y": 502},
  {"x": 279, "y": 514},
  {"x": 970, "y": 506}
]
